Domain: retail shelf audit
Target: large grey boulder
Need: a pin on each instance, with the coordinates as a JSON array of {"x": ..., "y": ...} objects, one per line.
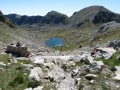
[
  {"x": 35, "y": 74},
  {"x": 18, "y": 48},
  {"x": 105, "y": 53}
]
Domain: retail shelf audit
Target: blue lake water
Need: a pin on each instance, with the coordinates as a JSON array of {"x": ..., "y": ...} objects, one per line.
[{"x": 53, "y": 42}]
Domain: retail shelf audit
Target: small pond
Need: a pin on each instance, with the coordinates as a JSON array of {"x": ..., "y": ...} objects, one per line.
[{"x": 55, "y": 42}]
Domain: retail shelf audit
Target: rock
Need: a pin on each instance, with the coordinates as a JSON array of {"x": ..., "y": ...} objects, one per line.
[
  {"x": 28, "y": 88},
  {"x": 114, "y": 44},
  {"x": 38, "y": 88},
  {"x": 75, "y": 72},
  {"x": 57, "y": 74},
  {"x": 39, "y": 61},
  {"x": 110, "y": 25},
  {"x": 88, "y": 59},
  {"x": 92, "y": 81},
  {"x": 35, "y": 74},
  {"x": 50, "y": 66},
  {"x": 18, "y": 49},
  {"x": 67, "y": 84},
  {"x": 77, "y": 58},
  {"x": 27, "y": 67},
  {"x": 98, "y": 63},
  {"x": 117, "y": 77},
  {"x": 117, "y": 73},
  {"x": 3, "y": 64},
  {"x": 105, "y": 53},
  {"x": 96, "y": 66},
  {"x": 90, "y": 76}
]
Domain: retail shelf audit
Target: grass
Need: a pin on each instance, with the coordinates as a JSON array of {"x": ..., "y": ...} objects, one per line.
[
  {"x": 112, "y": 61},
  {"x": 10, "y": 78},
  {"x": 5, "y": 58},
  {"x": 25, "y": 61}
]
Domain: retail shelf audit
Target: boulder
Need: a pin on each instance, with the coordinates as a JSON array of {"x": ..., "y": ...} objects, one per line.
[
  {"x": 77, "y": 58},
  {"x": 87, "y": 58},
  {"x": 28, "y": 88},
  {"x": 90, "y": 76},
  {"x": 114, "y": 44},
  {"x": 35, "y": 74},
  {"x": 117, "y": 77},
  {"x": 38, "y": 88},
  {"x": 57, "y": 74},
  {"x": 105, "y": 53},
  {"x": 39, "y": 61},
  {"x": 18, "y": 49},
  {"x": 67, "y": 84}
]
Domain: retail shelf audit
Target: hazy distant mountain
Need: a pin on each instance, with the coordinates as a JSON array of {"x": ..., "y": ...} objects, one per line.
[
  {"x": 5, "y": 20},
  {"x": 94, "y": 15}
]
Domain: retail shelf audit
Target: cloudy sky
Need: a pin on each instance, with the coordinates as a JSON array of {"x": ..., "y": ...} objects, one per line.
[{"x": 42, "y": 7}]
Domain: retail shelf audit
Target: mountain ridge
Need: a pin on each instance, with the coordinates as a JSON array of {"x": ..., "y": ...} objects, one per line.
[{"x": 89, "y": 15}]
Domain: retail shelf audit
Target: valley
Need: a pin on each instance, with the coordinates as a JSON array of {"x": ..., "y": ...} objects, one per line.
[{"x": 87, "y": 58}]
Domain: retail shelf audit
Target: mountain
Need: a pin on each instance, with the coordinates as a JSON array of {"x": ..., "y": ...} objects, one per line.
[
  {"x": 52, "y": 18},
  {"x": 94, "y": 15},
  {"x": 90, "y": 15},
  {"x": 5, "y": 20}
]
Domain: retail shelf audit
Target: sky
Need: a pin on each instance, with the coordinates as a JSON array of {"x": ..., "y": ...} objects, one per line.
[{"x": 42, "y": 7}]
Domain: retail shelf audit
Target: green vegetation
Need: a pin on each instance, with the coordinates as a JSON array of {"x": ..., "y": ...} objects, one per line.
[
  {"x": 17, "y": 81},
  {"x": 34, "y": 84},
  {"x": 5, "y": 58},
  {"x": 112, "y": 61},
  {"x": 25, "y": 61},
  {"x": 13, "y": 79}
]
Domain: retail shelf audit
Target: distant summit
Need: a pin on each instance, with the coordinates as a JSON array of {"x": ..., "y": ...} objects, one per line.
[{"x": 94, "y": 15}]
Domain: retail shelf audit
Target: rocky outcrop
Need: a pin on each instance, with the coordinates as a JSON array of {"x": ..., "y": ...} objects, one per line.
[
  {"x": 108, "y": 26},
  {"x": 114, "y": 44},
  {"x": 105, "y": 53},
  {"x": 18, "y": 49}
]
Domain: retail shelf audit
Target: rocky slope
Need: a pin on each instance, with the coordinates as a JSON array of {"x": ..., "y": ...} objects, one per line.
[{"x": 94, "y": 15}]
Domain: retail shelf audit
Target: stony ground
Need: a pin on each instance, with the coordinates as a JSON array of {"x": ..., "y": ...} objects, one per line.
[{"x": 54, "y": 70}]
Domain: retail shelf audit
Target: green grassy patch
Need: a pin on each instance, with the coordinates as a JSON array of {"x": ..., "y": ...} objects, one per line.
[
  {"x": 112, "y": 61},
  {"x": 25, "y": 61},
  {"x": 5, "y": 58},
  {"x": 10, "y": 78}
]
